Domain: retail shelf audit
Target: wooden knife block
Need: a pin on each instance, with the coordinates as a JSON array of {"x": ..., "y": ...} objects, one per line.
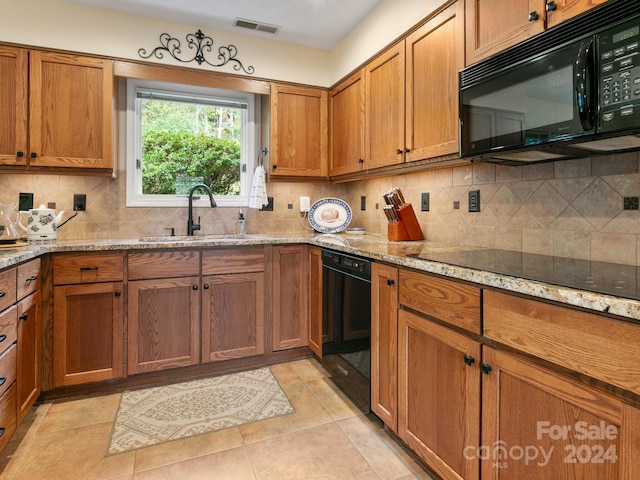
[{"x": 407, "y": 228}]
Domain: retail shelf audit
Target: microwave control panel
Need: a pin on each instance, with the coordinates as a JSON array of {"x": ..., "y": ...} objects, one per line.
[{"x": 619, "y": 88}]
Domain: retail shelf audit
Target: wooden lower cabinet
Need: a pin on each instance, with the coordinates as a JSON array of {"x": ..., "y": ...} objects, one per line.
[
  {"x": 289, "y": 296},
  {"x": 384, "y": 343},
  {"x": 438, "y": 395},
  {"x": 88, "y": 337},
  {"x": 232, "y": 316},
  {"x": 315, "y": 301},
  {"x": 537, "y": 424},
  {"x": 163, "y": 324},
  {"x": 28, "y": 354}
]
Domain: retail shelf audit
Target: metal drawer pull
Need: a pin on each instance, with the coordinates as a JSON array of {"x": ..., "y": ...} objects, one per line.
[
  {"x": 86, "y": 269},
  {"x": 23, "y": 317},
  {"x": 31, "y": 278},
  {"x": 469, "y": 360},
  {"x": 2, "y": 294},
  {"x": 3, "y": 380},
  {"x": 2, "y": 429},
  {"x": 3, "y": 337}
]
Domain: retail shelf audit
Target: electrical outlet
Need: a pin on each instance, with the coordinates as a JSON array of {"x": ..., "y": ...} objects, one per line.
[
  {"x": 474, "y": 200},
  {"x": 631, "y": 203},
  {"x": 305, "y": 204},
  {"x": 79, "y": 202},
  {"x": 363, "y": 203},
  {"x": 25, "y": 201},
  {"x": 269, "y": 206},
  {"x": 424, "y": 202}
]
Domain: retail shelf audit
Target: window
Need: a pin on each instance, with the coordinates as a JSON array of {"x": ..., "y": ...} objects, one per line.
[{"x": 181, "y": 135}]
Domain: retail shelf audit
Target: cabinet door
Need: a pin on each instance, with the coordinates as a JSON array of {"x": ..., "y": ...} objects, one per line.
[
  {"x": 384, "y": 108},
  {"x": 13, "y": 105},
  {"x": 567, "y": 430},
  {"x": 439, "y": 395},
  {"x": 347, "y": 126},
  {"x": 384, "y": 343},
  {"x": 232, "y": 316},
  {"x": 163, "y": 324},
  {"x": 299, "y": 131},
  {"x": 71, "y": 111},
  {"x": 435, "y": 55},
  {"x": 28, "y": 380},
  {"x": 315, "y": 301},
  {"x": 493, "y": 26},
  {"x": 290, "y": 300},
  {"x": 563, "y": 10},
  {"x": 88, "y": 333}
]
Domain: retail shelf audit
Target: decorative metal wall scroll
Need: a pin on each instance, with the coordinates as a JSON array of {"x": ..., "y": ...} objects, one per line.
[{"x": 201, "y": 44}]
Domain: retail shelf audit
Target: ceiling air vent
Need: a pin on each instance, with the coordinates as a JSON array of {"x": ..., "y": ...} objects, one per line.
[{"x": 253, "y": 25}]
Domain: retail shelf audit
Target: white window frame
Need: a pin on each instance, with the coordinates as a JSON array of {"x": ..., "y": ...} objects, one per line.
[{"x": 248, "y": 155}]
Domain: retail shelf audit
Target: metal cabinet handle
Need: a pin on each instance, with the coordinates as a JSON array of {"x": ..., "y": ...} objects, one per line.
[
  {"x": 361, "y": 160},
  {"x": 2, "y": 294},
  {"x": 533, "y": 16},
  {"x": 3, "y": 380},
  {"x": 19, "y": 154},
  {"x": 469, "y": 360},
  {"x": 86, "y": 269},
  {"x": 390, "y": 281},
  {"x": 399, "y": 151},
  {"x": 2, "y": 429},
  {"x": 117, "y": 293},
  {"x": 206, "y": 286},
  {"x": 485, "y": 368},
  {"x": 31, "y": 278},
  {"x": 194, "y": 287},
  {"x": 3, "y": 337},
  {"x": 274, "y": 166},
  {"x": 23, "y": 317},
  {"x": 33, "y": 155},
  {"x": 551, "y": 6}
]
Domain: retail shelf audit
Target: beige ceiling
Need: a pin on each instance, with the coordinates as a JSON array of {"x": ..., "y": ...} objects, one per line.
[{"x": 311, "y": 23}]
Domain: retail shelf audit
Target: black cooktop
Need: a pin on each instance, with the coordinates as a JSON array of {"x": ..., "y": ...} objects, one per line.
[{"x": 600, "y": 277}]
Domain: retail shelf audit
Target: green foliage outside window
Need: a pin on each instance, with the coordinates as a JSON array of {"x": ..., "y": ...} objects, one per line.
[{"x": 182, "y": 140}]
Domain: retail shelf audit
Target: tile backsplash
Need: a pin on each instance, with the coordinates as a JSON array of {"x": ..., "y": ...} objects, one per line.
[{"x": 571, "y": 208}]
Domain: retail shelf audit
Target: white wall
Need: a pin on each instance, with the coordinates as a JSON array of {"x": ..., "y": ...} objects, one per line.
[{"x": 69, "y": 26}]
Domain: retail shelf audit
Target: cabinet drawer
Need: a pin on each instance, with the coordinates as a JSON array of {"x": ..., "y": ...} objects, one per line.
[
  {"x": 599, "y": 347},
  {"x": 7, "y": 288},
  {"x": 87, "y": 268},
  {"x": 7, "y": 415},
  {"x": 445, "y": 300},
  {"x": 28, "y": 280},
  {"x": 233, "y": 260},
  {"x": 163, "y": 264},
  {"x": 8, "y": 328},
  {"x": 7, "y": 369}
]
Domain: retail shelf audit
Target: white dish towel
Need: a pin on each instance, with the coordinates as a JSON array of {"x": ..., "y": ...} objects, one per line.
[{"x": 258, "y": 197}]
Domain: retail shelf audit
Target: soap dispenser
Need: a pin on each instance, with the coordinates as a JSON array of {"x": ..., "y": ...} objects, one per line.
[{"x": 241, "y": 231}]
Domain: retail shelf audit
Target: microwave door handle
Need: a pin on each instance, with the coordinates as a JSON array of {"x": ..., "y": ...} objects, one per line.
[{"x": 584, "y": 81}]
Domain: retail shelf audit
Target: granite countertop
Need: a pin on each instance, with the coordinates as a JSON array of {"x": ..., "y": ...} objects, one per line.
[{"x": 416, "y": 255}]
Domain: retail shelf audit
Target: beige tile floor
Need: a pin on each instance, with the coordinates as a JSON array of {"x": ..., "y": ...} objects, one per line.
[{"x": 327, "y": 438}]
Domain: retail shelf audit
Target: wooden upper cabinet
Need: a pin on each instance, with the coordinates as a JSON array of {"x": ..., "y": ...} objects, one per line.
[
  {"x": 384, "y": 107},
  {"x": 70, "y": 111},
  {"x": 13, "y": 105},
  {"x": 347, "y": 152},
  {"x": 560, "y": 10},
  {"x": 434, "y": 56},
  {"x": 494, "y": 26},
  {"x": 299, "y": 131}
]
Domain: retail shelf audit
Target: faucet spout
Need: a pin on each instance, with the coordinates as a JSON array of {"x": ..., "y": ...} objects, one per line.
[{"x": 191, "y": 226}]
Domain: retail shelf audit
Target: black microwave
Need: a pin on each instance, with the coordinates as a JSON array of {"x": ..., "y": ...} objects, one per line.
[{"x": 571, "y": 92}]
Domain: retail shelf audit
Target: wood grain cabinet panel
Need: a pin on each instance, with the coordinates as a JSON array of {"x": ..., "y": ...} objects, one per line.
[
  {"x": 73, "y": 268},
  {"x": 28, "y": 278},
  {"x": 88, "y": 336},
  {"x": 299, "y": 131},
  {"x": 583, "y": 432},
  {"x": 289, "y": 297},
  {"x": 8, "y": 368},
  {"x": 8, "y": 288},
  {"x": 8, "y": 418},
  {"x": 14, "y": 78},
  {"x": 233, "y": 260},
  {"x": 384, "y": 343},
  {"x": 163, "y": 324},
  {"x": 347, "y": 151},
  {"x": 8, "y": 327},
  {"x": 163, "y": 264},
  {"x": 567, "y": 9},
  {"x": 439, "y": 395},
  {"x": 29, "y": 354},
  {"x": 315, "y": 301},
  {"x": 232, "y": 316}
]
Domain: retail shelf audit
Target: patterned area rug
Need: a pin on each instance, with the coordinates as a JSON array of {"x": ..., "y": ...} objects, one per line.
[{"x": 159, "y": 414}]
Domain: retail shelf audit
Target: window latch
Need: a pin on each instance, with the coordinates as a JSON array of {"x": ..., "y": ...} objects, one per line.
[{"x": 138, "y": 164}]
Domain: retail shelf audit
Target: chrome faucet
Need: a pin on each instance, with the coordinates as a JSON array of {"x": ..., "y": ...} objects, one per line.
[{"x": 191, "y": 227}]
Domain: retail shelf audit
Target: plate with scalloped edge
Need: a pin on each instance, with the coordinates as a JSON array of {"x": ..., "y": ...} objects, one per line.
[{"x": 330, "y": 215}]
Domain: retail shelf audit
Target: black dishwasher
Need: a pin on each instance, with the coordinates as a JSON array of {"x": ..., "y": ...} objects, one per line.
[{"x": 346, "y": 324}]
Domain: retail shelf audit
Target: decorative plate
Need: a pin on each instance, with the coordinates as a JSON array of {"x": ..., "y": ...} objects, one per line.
[{"x": 329, "y": 215}]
